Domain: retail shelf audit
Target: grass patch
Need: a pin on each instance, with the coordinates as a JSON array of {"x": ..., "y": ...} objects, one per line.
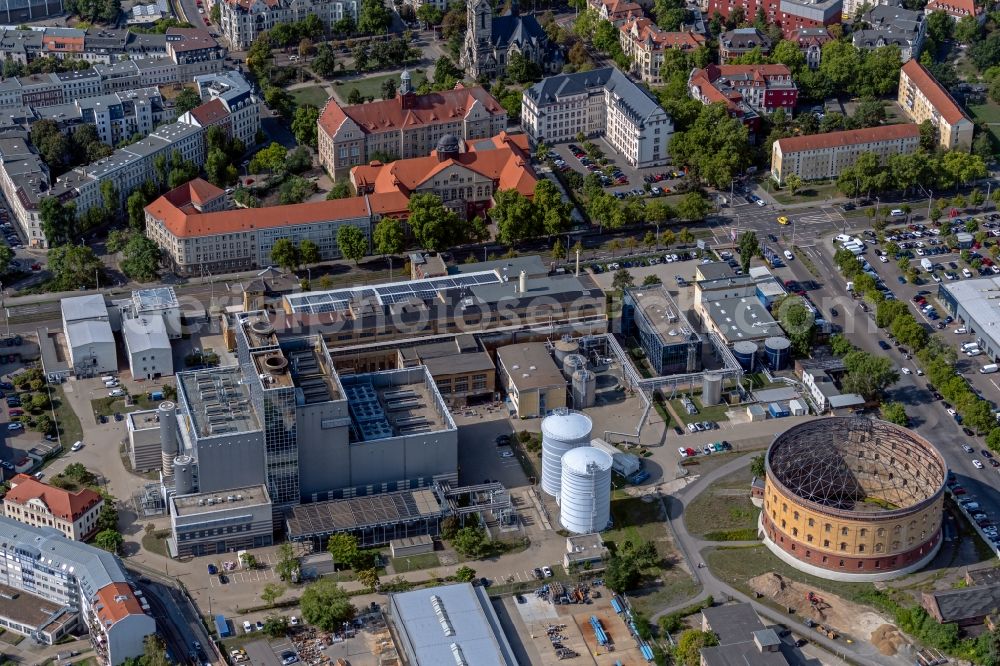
[
  {"x": 635, "y": 520},
  {"x": 67, "y": 420},
  {"x": 156, "y": 542},
  {"x": 806, "y": 261},
  {"x": 314, "y": 95},
  {"x": 810, "y": 191},
  {"x": 415, "y": 562},
  {"x": 714, "y": 413},
  {"x": 989, "y": 114},
  {"x": 675, "y": 586},
  {"x": 724, "y": 512},
  {"x": 372, "y": 85},
  {"x": 109, "y": 406}
]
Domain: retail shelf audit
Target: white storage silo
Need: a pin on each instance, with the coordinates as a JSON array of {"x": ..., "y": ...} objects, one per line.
[
  {"x": 711, "y": 388},
  {"x": 183, "y": 475},
  {"x": 561, "y": 432},
  {"x": 584, "y": 389},
  {"x": 586, "y": 490},
  {"x": 572, "y": 363}
]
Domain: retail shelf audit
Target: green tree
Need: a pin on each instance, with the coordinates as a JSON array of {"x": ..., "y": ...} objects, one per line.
[
  {"x": 58, "y": 221},
  {"x": 352, "y": 242},
  {"x": 622, "y": 574},
  {"x": 270, "y": 159},
  {"x": 369, "y": 578},
  {"x": 343, "y": 548},
  {"x": 341, "y": 189},
  {"x": 894, "y": 412},
  {"x": 219, "y": 169},
  {"x": 304, "y": 124},
  {"x": 793, "y": 183},
  {"x": 554, "y": 213},
  {"x": 309, "y": 252},
  {"x": 154, "y": 652},
  {"x": 713, "y": 146},
  {"x": 908, "y": 331},
  {"x": 465, "y": 574},
  {"x": 689, "y": 645},
  {"x": 141, "y": 258},
  {"x": 434, "y": 226},
  {"x": 886, "y": 311},
  {"x": 788, "y": 53},
  {"x": 623, "y": 279},
  {"x": 388, "y": 237},
  {"x": 471, "y": 542},
  {"x": 285, "y": 254},
  {"x": 694, "y": 206},
  {"x": 74, "y": 266},
  {"x": 685, "y": 237},
  {"x": 135, "y": 205},
  {"x": 748, "y": 247},
  {"x": 757, "y": 466},
  {"x": 109, "y": 540},
  {"x": 868, "y": 375},
  {"x": 515, "y": 216},
  {"x": 651, "y": 280},
  {"x": 373, "y": 18},
  {"x": 326, "y": 605},
  {"x": 429, "y": 15},
  {"x": 798, "y": 322},
  {"x": 271, "y": 593},
  {"x": 187, "y": 99},
  {"x": 288, "y": 564},
  {"x": 324, "y": 63},
  {"x": 275, "y": 626}
]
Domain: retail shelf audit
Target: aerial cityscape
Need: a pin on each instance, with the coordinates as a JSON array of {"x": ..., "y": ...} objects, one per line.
[{"x": 488, "y": 333}]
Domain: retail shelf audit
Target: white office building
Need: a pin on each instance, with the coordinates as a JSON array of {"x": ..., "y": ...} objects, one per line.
[{"x": 147, "y": 346}]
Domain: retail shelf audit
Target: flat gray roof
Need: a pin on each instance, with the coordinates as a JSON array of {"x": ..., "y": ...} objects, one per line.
[
  {"x": 530, "y": 366},
  {"x": 356, "y": 513},
  {"x": 662, "y": 314},
  {"x": 145, "y": 332},
  {"x": 742, "y": 318},
  {"x": 91, "y": 306},
  {"x": 88, "y": 333},
  {"x": 25, "y": 608},
  {"x": 980, "y": 298},
  {"x": 233, "y": 498},
  {"x": 733, "y": 623},
  {"x": 156, "y": 298},
  {"x": 450, "y": 624},
  {"x": 395, "y": 403},
  {"x": 218, "y": 401}
]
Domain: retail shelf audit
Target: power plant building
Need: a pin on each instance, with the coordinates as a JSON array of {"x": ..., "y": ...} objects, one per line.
[
  {"x": 210, "y": 523},
  {"x": 671, "y": 344},
  {"x": 534, "y": 383}
]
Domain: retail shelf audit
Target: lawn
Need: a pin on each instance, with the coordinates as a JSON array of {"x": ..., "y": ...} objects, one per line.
[
  {"x": 415, "y": 562},
  {"x": 724, "y": 512},
  {"x": 156, "y": 542},
  {"x": 987, "y": 113},
  {"x": 314, "y": 95},
  {"x": 714, "y": 413},
  {"x": 66, "y": 418},
  {"x": 372, "y": 85},
  {"x": 108, "y": 406},
  {"x": 810, "y": 191}
]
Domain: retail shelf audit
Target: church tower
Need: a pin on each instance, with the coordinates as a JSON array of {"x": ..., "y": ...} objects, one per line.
[{"x": 478, "y": 36}]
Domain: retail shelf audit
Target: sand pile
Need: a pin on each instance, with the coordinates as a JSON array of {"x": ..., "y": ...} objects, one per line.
[{"x": 887, "y": 639}]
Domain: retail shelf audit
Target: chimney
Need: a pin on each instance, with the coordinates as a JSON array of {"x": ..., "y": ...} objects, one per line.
[{"x": 577, "y": 262}]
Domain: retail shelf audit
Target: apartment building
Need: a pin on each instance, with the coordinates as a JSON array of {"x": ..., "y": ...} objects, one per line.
[
  {"x": 645, "y": 44},
  {"x": 38, "y": 504},
  {"x": 116, "y": 116},
  {"x": 956, "y": 9},
  {"x": 891, "y": 24},
  {"x": 242, "y": 20},
  {"x": 811, "y": 41},
  {"x": 25, "y": 181},
  {"x": 922, "y": 98},
  {"x": 617, "y": 12},
  {"x": 196, "y": 239},
  {"x": 790, "y": 15},
  {"x": 54, "y": 586},
  {"x": 816, "y": 156},
  {"x": 409, "y": 125},
  {"x": 234, "y": 92},
  {"x": 746, "y": 90},
  {"x": 737, "y": 43},
  {"x": 49, "y": 89},
  {"x": 465, "y": 180},
  {"x": 601, "y": 101}
]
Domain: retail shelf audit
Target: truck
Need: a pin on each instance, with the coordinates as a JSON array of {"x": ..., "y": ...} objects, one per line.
[
  {"x": 989, "y": 368},
  {"x": 926, "y": 264}
]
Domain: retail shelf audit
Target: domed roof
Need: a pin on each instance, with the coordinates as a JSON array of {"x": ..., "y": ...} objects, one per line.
[
  {"x": 583, "y": 458},
  {"x": 448, "y": 143},
  {"x": 567, "y": 426}
]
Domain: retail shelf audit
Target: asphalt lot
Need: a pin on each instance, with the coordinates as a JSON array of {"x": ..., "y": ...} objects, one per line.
[
  {"x": 479, "y": 457},
  {"x": 635, "y": 176}
]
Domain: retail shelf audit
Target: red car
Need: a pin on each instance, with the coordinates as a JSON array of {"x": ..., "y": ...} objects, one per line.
[{"x": 958, "y": 490}]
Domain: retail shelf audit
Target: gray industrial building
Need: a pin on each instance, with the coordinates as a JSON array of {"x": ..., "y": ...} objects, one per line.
[
  {"x": 210, "y": 523},
  {"x": 651, "y": 316},
  {"x": 975, "y": 304},
  {"x": 144, "y": 447}
]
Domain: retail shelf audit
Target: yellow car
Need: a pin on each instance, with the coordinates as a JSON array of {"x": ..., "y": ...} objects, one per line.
[{"x": 782, "y": 220}]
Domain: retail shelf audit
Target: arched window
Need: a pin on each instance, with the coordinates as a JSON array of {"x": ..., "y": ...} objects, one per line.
[
  {"x": 795, "y": 515},
  {"x": 811, "y": 522}
]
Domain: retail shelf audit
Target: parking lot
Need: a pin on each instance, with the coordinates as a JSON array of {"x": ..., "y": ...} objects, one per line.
[{"x": 633, "y": 178}]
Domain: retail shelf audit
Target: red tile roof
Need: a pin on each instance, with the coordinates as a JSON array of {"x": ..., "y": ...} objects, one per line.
[
  {"x": 797, "y": 144},
  {"x": 61, "y": 503},
  {"x": 939, "y": 98},
  {"x": 419, "y": 110},
  {"x": 957, "y": 8},
  {"x": 115, "y": 602},
  {"x": 210, "y": 113},
  {"x": 643, "y": 30},
  {"x": 618, "y": 10},
  {"x": 184, "y": 222},
  {"x": 505, "y": 161}
]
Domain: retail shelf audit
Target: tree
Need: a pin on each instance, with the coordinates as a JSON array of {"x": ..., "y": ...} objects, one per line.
[
  {"x": 798, "y": 322},
  {"x": 219, "y": 169},
  {"x": 894, "y": 412},
  {"x": 187, "y": 99},
  {"x": 275, "y": 626},
  {"x": 271, "y": 592},
  {"x": 324, "y": 63},
  {"x": 352, "y": 242},
  {"x": 978, "y": 415},
  {"x": 621, "y": 574},
  {"x": 286, "y": 254},
  {"x": 757, "y": 466},
  {"x": 109, "y": 540},
  {"x": 471, "y": 542},
  {"x": 868, "y": 375},
  {"x": 288, "y": 564},
  {"x": 748, "y": 247},
  {"x": 304, "y": 124},
  {"x": 154, "y": 652},
  {"x": 714, "y": 146},
  {"x": 909, "y": 332},
  {"x": 373, "y": 18},
  {"x": 689, "y": 646},
  {"x": 685, "y": 237},
  {"x": 343, "y": 548},
  {"x": 623, "y": 279},
  {"x": 515, "y": 216},
  {"x": 270, "y": 159},
  {"x": 793, "y": 183},
  {"x": 558, "y": 250},
  {"x": 554, "y": 213},
  {"x": 887, "y": 311},
  {"x": 389, "y": 88},
  {"x": 135, "y": 206},
  {"x": 465, "y": 574},
  {"x": 788, "y": 53},
  {"x": 651, "y": 280},
  {"x": 694, "y": 206},
  {"x": 309, "y": 252},
  {"x": 433, "y": 225},
  {"x": 388, "y": 236},
  {"x": 429, "y": 15},
  {"x": 58, "y": 221},
  {"x": 326, "y": 605},
  {"x": 369, "y": 578},
  {"x": 74, "y": 266},
  {"x": 141, "y": 258}
]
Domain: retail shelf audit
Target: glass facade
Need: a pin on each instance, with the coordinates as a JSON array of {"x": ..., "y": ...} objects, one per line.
[{"x": 666, "y": 357}]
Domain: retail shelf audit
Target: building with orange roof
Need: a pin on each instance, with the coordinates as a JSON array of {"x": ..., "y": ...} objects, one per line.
[
  {"x": 241, "y": 21},
  {"x": 617, "y": 11},
  {"x": 816, "y": 156},
  {"x": 956, "y": 9},
  {"x": 922, "y": 98},
  {"x": 464, "y": 180},
  {"x": 199, "y": 237},
  {"x": 406, "y": 126},
  {"x": 64, "y": 586},
  {"x": 35, "y": 503},
  {"x": 746, "y": 90},
  {"x": 645, "y": 44}
]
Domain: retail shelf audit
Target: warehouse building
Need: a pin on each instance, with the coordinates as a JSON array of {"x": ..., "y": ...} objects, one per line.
[
  {"x": 90, "y": 342},
  {"x": 535, "y": 385},
  {"x": 147, "y": 347},
  {"x": 974, "y": 303},
  {"x": 650, "y": 315}
]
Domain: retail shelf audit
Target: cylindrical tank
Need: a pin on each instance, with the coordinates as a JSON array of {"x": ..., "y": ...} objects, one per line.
[
  {"x": 585, "y": 504},
  {"x": 168, "y": 436},
  {"x": 744, "y": 351},
  {"x": 584, "y": 388},
  {"x": 183, "y": 475},
  {"x": 522, "y": 281},
  {"x": 561, "y": 432},
  {"x": 564, "y": 348},
  {"x": 778, "y": 350},
  {"x": 572, "y": 363},
  {"x": 711, "y": 388}
]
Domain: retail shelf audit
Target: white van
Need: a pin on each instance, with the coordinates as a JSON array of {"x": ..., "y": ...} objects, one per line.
[
  {"x": 896, "y": 212},
  {"x": 989, "y": 369},
  {"x": 108, "y": 378},
  {"x": 969, "y": 345},
  {"x": 843, "y": 238},
  {"x": 111, "y": 383},
  {"x": 927, "y": 264},
  {"x": 975, "y": 351}
]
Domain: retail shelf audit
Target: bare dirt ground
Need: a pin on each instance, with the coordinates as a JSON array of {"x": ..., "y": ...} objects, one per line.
[{"x": 847, "y": 619}]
